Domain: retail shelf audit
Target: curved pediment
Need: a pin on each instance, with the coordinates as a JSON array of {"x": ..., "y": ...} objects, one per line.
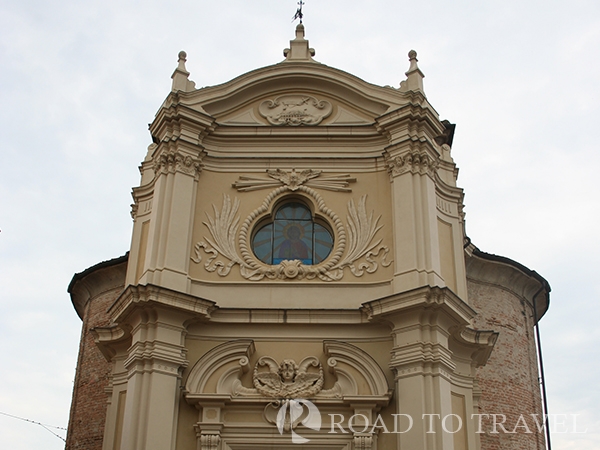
[{"x": 289, "y": 94}]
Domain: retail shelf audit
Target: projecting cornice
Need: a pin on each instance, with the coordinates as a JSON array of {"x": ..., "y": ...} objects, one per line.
[
  {"x": 509, "y": 275},
  {"x": 155, "y": 296},
  {"x": 100, "y": 278}
]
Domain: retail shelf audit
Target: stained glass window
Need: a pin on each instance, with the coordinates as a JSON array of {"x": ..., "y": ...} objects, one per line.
[{"x": 293, "y": 234}]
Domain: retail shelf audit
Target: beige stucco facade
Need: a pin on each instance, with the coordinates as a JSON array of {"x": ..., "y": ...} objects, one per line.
[{"x": 207, "y": 347}]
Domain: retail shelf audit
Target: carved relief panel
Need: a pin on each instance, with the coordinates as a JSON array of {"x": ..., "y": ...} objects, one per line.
[
  {"x": 320, "y": 246},
  {"x": 295, "y": 110}
]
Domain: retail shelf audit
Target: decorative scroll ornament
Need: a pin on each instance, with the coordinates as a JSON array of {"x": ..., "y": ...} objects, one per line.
[
  {"x": 363, "y": 441},
  {"x": 209, "y": 441},
  {"x": 293, "y": 180},
  {"x": 134, "y": 210},
  {"x": 354, "y": 243},
  {"x": 174, "y": 161},
  {"x": 414, "y": 162},
  {"x": 295, "y": 110}
]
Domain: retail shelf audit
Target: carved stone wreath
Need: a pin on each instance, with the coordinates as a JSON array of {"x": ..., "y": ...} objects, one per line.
[{"x": 353, "y": 242}]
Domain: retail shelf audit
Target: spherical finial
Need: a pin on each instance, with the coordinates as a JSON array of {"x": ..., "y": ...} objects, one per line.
[
  {"x": 412, "y": 55},
  {"x": 182, "y": 55}
]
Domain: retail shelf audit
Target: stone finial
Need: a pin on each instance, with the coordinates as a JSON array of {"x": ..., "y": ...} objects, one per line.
[
  {"x": 180, "y": 76},
  {"x": 414, "y": 76},
  {"x": 299, "y": 50}
]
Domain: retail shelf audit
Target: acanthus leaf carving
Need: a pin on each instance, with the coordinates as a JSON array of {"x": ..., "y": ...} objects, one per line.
[
  {"x": 295, "y": 110},
  {"x": 361, "y": 233},
  {"x": 223, "y": 228}
]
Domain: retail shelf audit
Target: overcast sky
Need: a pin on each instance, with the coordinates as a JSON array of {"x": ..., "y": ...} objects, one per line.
[{"x": 81, "y": 80}]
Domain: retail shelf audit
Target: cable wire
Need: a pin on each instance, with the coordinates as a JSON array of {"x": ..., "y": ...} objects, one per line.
[{"x": 46, "y": 427}]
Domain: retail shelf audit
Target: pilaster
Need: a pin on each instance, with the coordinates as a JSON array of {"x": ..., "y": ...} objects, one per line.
[
  {"x": 154, "y": 365},
  {"x": 416, "y": 246},
  {"x": 422, "y": 323},
  {"x": 164, "y": 206},
  {"x": 210, "y": 425}
]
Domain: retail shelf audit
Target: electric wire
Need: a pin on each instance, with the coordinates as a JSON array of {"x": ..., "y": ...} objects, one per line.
[{"x": 46, "y": 427}]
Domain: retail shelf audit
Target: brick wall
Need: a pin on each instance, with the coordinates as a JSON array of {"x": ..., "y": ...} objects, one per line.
[
  {"x": 89, "y": 404},
  {"x": 509, "y": 381}
]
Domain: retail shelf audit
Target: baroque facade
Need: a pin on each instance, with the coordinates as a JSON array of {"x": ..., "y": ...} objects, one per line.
[{"x": 299, "y": 273}]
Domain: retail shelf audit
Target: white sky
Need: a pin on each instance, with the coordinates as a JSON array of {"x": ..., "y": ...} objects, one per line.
[{"x": 80, "y": 81}]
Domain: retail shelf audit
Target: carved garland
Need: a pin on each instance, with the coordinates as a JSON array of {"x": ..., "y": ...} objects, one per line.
[{"x": 356, "y": 243}]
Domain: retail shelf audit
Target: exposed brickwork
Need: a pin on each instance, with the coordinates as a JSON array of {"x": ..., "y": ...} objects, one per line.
[
  {"x": 509, "y": 381},
  {"x": 88, "y": 408}
]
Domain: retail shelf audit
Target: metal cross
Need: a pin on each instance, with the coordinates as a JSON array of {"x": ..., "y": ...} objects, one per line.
[{"x": 299, "y": 14}]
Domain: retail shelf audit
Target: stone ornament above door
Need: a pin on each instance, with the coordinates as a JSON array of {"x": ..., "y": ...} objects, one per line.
[{"x": 219, "y": 374}]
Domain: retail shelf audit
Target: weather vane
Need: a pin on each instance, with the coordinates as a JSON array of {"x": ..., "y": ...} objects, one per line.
[{"x": 299, "y": 14}]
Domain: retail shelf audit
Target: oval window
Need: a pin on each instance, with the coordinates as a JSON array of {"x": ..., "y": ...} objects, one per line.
[{"x": 293, "y": 234}]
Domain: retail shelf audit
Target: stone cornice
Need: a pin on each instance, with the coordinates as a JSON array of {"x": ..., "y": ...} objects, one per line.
[
  {"x": 427, "y": 297},
  {"x": 100, "y": 278},
  {"x": 155, "y": 356},
  {"x": 109, "y": 338},
  {"x": 177, "y": 122},
  {"x": 483, "y": 340},
  {"x": 150, "y": 295},
  {"x": 142, "y": 195},
  {"x": 509, "y": 275},
  {"x": 344, "y": 134},
  {"x": 291, "y": 316},
  {"x": 417, "y": 121},
  {"x": 422, "y": 358}
]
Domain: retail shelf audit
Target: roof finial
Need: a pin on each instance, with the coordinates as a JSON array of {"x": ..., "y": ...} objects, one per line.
[
  {"x": 414, "y": 76},
  {"x": 299, "y": 14},
  {"x": 299, "y": 49},
  {"x": 180, "y": 76}
]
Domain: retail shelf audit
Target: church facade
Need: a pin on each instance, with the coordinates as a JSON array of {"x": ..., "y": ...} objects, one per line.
[{"x": 300, "y": 276}]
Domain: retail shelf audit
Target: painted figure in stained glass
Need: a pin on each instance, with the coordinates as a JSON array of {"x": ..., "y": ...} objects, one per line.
[{"x": 293, "y": 246}]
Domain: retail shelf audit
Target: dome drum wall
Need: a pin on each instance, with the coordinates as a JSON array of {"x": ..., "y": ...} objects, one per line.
[
  {"x": 92, "y": 293},
  {"x": 503, "y": 294}
]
